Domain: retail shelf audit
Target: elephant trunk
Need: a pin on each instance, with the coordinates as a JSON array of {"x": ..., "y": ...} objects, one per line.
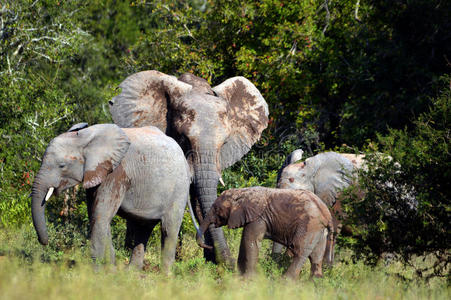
[
  {"x": 206, "y": 179},
  {"x": 203, "y": 227},
  {"x": 38, "y": 200}
]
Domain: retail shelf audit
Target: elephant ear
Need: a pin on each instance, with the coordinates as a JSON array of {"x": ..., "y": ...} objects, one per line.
[
  {"x": 247, "y": 113},
  {"x": 105, "y": 145},
  {"x": 144, "y": 99},
  {"x": 246, "y": 209},
  {"x": 333, "y": 174},
  {"x": 291, "y": 159},
  {"x": 78, "y": 127}
]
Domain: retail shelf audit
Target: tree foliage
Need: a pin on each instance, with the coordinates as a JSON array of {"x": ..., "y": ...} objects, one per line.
[
  {"x": 406, "y": 208},
  {"x": 334, "y": 73}
]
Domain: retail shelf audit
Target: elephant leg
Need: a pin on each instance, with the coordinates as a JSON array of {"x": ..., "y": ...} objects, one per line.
[
  {"x": 101, "y": 244},
  {"x": 277, "y": 248},
  {"x": 90, "y": 198},
  {"x": 316, "y": 257},
  {"x": 253, "y": 234},
  {"x": 168, "y": 247},
  {"x": 104, "y": 209},
  {"x": 170, "y": 226},
  {"x": 137, "y": 237},
  {"x": 303, "y": 247}
]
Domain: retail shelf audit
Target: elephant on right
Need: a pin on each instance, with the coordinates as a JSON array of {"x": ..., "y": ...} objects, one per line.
[
  {"x": 324, "y": 174},
  {"x": 327, "y": 174}
]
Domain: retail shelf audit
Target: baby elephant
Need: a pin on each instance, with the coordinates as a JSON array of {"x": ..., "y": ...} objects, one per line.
[{"x": 295, "y": 218}]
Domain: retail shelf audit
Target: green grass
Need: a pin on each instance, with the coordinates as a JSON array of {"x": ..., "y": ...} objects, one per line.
[{"x": 69, "y": 275}]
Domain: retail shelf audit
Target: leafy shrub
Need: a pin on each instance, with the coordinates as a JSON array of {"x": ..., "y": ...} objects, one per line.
[{"x": 406, "y": 207}]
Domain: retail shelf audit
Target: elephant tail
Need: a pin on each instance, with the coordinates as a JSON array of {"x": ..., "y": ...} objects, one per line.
[{"x": 330, "y": 244}]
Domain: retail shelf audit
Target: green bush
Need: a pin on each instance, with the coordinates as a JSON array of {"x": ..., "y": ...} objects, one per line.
[
  {"x": 332, "y": 72},
  {"x": 406, "y": 208}
]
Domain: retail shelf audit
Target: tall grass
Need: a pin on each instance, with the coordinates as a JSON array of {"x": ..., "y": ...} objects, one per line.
[{"x": 70, "y": 275}]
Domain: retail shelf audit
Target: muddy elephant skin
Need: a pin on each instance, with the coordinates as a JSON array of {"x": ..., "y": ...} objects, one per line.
[
  {"x": 297, "y": 219},
  {"x": 138, "y": 173},
  {"x": 214, "y": 126},
  {"x": 324, "y": 174}
]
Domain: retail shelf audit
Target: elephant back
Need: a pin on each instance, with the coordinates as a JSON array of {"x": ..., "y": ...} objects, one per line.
[{"x": 333, "y": 173}]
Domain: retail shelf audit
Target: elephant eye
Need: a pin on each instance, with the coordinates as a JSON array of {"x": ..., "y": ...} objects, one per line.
[{"x": 61, "y": 165}]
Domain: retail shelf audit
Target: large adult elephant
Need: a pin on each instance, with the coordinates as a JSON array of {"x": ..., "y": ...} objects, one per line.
[
  {"x": 327, "y": 173},
  {"x": 324, "y": 174},
  {"x": 140, "y": 174},
  {"x": 214, "y": 126}
]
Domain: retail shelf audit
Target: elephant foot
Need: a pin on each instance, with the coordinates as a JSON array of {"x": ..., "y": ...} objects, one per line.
[
  {"x": 226, "y": 259},
  {"x": 316, "y": 270},
  {"x": 230, "y": 263}
]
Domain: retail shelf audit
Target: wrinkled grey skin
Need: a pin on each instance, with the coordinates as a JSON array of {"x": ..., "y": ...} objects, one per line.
[
  {"x": 138, "y": 173},
  {"x": 298, "y": 219},
  {"x": 214, "y": 126},
  {"x": 324, "y": 174}
]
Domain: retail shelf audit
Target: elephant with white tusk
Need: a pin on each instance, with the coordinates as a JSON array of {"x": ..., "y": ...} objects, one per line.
[
  {"x": 327, "y": 174},
  {"x": 324, "y": 174},
  {"x": 138, "y": 173},
  {"x": 215, "y": 127}
]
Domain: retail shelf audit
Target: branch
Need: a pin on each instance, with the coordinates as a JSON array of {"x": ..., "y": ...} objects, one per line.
[
  {"x": 47, "y": 57},
  {"x": 9, "y": 65},
  {"x": 356, "y": 11},
  {"x": 326, "y": 7},
  {"x": 56, "y": 120},
  {"x": 293, "y": 48}
]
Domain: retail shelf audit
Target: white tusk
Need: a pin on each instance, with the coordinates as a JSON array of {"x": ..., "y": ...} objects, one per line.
[
  {"x": 191, "y": 212},
  {"x": 221, "y": 181},
  {"x": 49, "y": 193}
]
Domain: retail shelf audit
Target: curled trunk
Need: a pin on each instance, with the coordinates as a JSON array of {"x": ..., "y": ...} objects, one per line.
[{"x": 203, "y": 227}]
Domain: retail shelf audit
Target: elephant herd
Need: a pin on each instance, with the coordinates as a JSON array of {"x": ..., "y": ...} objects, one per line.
[{"x": 171, "y": 140}]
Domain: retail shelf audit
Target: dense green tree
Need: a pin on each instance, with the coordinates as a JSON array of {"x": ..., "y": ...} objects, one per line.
[
  {"x": 406, "y": 208},
  {"x": 332, "y": 72}
]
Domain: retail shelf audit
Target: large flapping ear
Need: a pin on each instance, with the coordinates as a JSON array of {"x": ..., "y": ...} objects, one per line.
[
  {"x": 105, "y": 145},
  {"x": 245, "y": 208},
  {"x": 247, "y": 113},
  {"x": 144, "y": 99}
]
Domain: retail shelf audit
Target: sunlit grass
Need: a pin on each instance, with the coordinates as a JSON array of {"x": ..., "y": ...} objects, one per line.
[{"x": 71, "y": 276}]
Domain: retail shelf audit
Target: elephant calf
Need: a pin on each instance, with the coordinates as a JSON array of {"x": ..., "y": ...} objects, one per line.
[
  {"x": 138, "y": 173},
  {"x": 295, "y": 218}
]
